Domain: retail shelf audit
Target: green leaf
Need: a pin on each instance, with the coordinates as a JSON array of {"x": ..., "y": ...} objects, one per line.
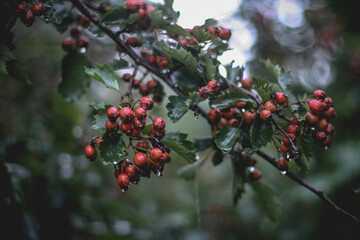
[
  {"x": 146, "y": 130},
  {"x": 61, "y": 16},
  {"x": 234, "y": 74},
  {"x": 211, "y": 67},
  {"x": 188, "y": 81},
  {"x": 104, "y": 74},
  {"x": 194, "y": 99},
  {"x": 261, "y": 133},
  {"x": 188, "y": 172},
  {"x": 226, "y": 138},
  {"x": 268, "y": 199},
  {"x": 120, "y": 64},
  {"x": 177, "y": 107},
  {"x": 217, "y": 157},
  {"x": 263, "y": 87},
  {"x": 112, "y": 149},
  {"x": 115, "y": 16},
  {"x": 210, "y": 22},
  {"x": 74, "y": 80},
  {"x": 180, "y": 54},
  {"x": 203, "y": 143},
  {"x": 202, "y": 35},
  {"x": 100, "y": 116},
  {"x": 235, "y": 95},
  {"x": 156, "y": 17},
  {"x": 238, "y": 187},
  {"x": 178, "y": 143},
  {"x": 245, "y": 141},
  {"x": 273, "y": 70}
]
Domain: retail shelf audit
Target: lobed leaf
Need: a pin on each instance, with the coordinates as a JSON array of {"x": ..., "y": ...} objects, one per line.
[
  {"x": 104, "y": 74},
  {"x": 112, "y": 149},
  {"x": 261, "y": 133},
  {"x": 226, "y": 138},
  {"x": 177, "y": 107},
  {"x": 178, "y": 143}
]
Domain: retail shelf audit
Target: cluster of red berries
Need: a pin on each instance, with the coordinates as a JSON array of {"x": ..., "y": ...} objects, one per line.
[
  {"x": 145, "y": 161},
  {"x": 277, "y": 99},
  {"x": 143, "y": 10},
  {"x": 212, "y": 87},
  {"x": 26, "y": 15},
  {"x": 321, "y": 112},
  {"x": 144, "y": 89},
  {"x": 68, "y": 44}
]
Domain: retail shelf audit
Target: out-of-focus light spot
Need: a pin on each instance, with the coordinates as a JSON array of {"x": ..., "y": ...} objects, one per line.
[
  {"x": 222, "y": 71},
  {"x": 77, "y": 132},
  {"x": 122, "y": 228},
  {"x": 290, "y": 13}
]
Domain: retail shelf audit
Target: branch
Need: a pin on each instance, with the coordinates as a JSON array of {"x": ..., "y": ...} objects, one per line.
[{"x": 319, "y": 193}]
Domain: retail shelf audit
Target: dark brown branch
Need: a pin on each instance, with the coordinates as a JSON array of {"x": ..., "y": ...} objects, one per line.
[
  {"x": 293, "y": 146},
  {"x": 166, "y": 78},
  {"x": 319, "y": 193}
]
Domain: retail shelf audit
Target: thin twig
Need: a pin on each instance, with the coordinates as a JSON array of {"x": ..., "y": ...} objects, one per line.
[{"x": 293, "y": 146}]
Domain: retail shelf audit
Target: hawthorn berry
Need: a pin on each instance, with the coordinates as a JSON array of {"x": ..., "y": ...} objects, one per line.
[
  {"x": 136, "y": 83},
  {"x": 75, "y": 32},
  {"x": 131, "y": 171},
  {"x": 229, "y": 113},
  {"x": 265, "y": 115},
  {"x": 141, "y": 12},
  {"x": 254, "y": 175},
  {"x": 28, "y": 18},
  {"x": 146, "y": 103},
  {"x": 140, "y": 160},
  {"x": 246, "y": 83},
  {"x": 144, "y": 90},
  {"x": 286, "y": 141},
  {"x": 133, "y": 5},
  {"x": 330, "y": 113},
  {"x": 156, "y": 154},
  {"x": 328, "y": 101},
  {"x": 214, "y": 85},
  {"x": 38, "y": 9},
  {"x": 90, "y": 152},
  {"x": 319, "y": 94},
  {"x": 126, "y": 128},
  {"x": 205, "y": 92},
  {"x": 280, "y": 98},
  {"x": 166, "y": 157},
  {"x": 138, "y": 124},
  {"x": 20, "y": 9},
  {"x": 249, "y": 117},
  {"x": 330, "y": 129},
  {"x": 98, "y": 141},
  {"x": 83, "y": 42},
  {"x": 182, "y": 42},
  {"x": 133, "y": 42},
  {"x": 320, "y": 135},
  {"x": 112, "y": 126},
  {"x": 282, "y": 164},
  {"x": 84, "y": 21},
  {"x": 123, "y": 179},
  {"x": 284, "y": 148},
  {"x": 316, "y": 106},
  {"x": 151, "y": 59},
  {"x": 134, "y": 132},
  {"x": 233, "y": 122},
  {"x": 294, "y": 129},
  {"x": 225, "y": 34},
  {"x": 322, "y": 124},
  {"x": 294, "y": 121},
  {"x": 152, "y": 84},
  {"x": 241, "y": 105},
  {"x": 213, "y": 30},
  {"x": 311, "y": 118},
  {"x": 140, "y": 113},
  {"x": 269, "y": 105},
  {"x": 159, "y": 123},
  {"x": 214, "y": 115},
  {"x": 126, "y": 114},
  {"x": 162, "y": 61},
  {"x": 149, "y": 9},
  {"x": 126, "y": 77},
  {"x": 68, "y": 44},
  {"x": 142, "y": 146},
  {"x": 112, "y": 113}
]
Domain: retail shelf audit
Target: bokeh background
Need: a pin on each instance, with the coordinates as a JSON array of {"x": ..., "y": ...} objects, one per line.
[{"x": 49, "y": 190}]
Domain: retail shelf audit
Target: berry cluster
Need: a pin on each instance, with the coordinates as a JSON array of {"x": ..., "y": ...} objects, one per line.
[
  {"x": 27, "y": 13},
  {"x": 212, "y": 87},
  {"x": 321, "y": 112},
  {"x": 143, "y": 10},
  {"x": 246, "y": 162},
  {"x": 68, "y": 44},
  {"x": 277, "y": 99}
]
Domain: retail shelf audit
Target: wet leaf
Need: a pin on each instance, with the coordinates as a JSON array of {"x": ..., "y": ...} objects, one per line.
[{"x": 226, "y": 138}]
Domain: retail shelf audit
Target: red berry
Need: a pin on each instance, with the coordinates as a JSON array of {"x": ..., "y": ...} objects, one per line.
[
  {"x": 330, "y": 129},
  {"x": 214, "y": 115},
  {"x": 229, "y": 113},
  {"x": 131, "y": 171},
  {"x": 75, "y": 32},
  {"x": 28, "y": 18},
  {"x": 141, "y": 12},
  {"x": 205, "y": 92},
  {"x": 83, "y": 42},
  {"x": 126, "y": 128},
  {"x": 151, "y": 84},
  {"x": 126, "y": 114},
  {"x": 322, "y": 124},
  {"x": 294, "y": 129},
  {"x": 138, "y": 124},
  {"x": 140, "y": 160},
  {"x": 38, "y": 9},
  {"x": 133, "y": 42},
  {"x": 140, "y": 113},
  {"x": 269, "y": 105},
  {"x": 126, "y": 77},
  {"x": 134, "y": 132},
  {"x": 90, "y": 152},
  {"x": 20, "y": 9},
  {"x": 144, "y": 90},
  {"x": 246, "y": 83},
  {"x": 328, "y": 101},
  {"x": 234, "y": 123},
  {"x": 159, "y": 123},
  {"x": 157, "y": 133},
  {"x": 225, "y": 34},
  {"x": 280, "y": 98},
  {"x": 249, "y": 117},
  {"x": 327, "y": 142},
  {"x": 214, "y": 85},
  {"x": 311, "y": 118},
  {"x": 84, "y": 21},
  {"x": 98, "y": 141},
  {"x": 213, "y": 30},
  {"x": 241, "y": 105},
  {"x": 123, "y": 179},
  {"x": 294, "y": 121},
  {"x": 162, "y": 61},
  {"x": 254, "y": 175},
  {"x": 286, "y": 141},
  {"x": 182, "y": 42},
  {"x": 142, "y": 146},
  {"x": 149, "y": 9},
  {"x": 156, "y": 154},
  {"x": 132, "y": 5},
  {"x": 265, "y": 115},
  {"x": 282, "y": 164},
  {"x": 319, "y": 94},
  {"x": 68, "y": 44},
  {"x": 136, "y": 83},
  {"x": 112, "y": 126},
  {"x": 151, "y": 59},
  {"x": 112, "y": 114},
  {"x": 284, "y": 148},
  {"x": 320, "y": 135},
  {"x": 146, "y": 103},
  {"x": 330, "y": 113},
  {"x": 316, "y": 106},
  {"x": 166, "y": 157}
]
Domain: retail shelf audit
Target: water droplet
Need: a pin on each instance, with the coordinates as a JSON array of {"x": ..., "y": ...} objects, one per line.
[
  {"x": 312, "y": 128},
  {"x": 82, "y": 50},
  {"x": 135, "y": 182},
  {"x": 326, "y": 147},
  {"x": 159, "y": 173},
  {"x": 243, "y": 110},
  {"x": 283, "y": 172},
  {"x": 197, "y": 157},
  {"x": 287, "y": 155},
  {"x": 196, "y": 115},
  {"x": 124, "y": 189},
  {"x": 251, "y": 169}
]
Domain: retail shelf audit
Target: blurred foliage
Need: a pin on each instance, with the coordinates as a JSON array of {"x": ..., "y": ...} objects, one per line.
[{"x": 48, "y": 190}]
